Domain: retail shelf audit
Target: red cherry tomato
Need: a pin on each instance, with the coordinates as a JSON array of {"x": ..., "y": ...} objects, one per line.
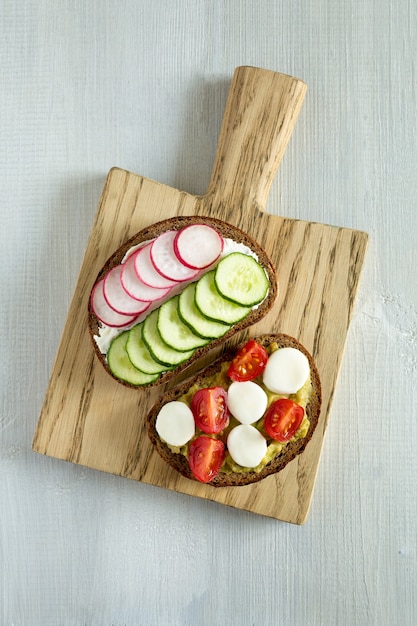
[
  {"x": 283, "y": 419},
  {"x": 205, "y": 456},
  {"x": 249, "y": 362},
  {"x": 209, "y": 407}
]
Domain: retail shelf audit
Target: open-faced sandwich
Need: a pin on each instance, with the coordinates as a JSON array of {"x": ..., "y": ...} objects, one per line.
[
  {"x": 172, "y": 293},
  {"x": 242, "y": 418}
]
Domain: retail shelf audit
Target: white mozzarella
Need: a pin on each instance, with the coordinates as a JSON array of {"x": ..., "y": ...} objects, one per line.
[
  {"x": 286, "y": 371},
  {"x": 247, "y": 401},
  {"x": 246, "y": 445},
  {"x": 175, "y": 423}
]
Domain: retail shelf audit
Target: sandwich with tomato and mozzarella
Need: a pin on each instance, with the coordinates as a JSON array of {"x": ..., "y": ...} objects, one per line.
[{"x": 244, "y": 417}]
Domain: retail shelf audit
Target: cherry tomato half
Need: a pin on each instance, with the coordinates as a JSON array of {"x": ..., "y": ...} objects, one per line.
[
  {"x": 283, "y": 419},
  {"x": 249, "y": 362},
  {"x": 205, "y": 456},
  {"x": 209, "y": 407}
]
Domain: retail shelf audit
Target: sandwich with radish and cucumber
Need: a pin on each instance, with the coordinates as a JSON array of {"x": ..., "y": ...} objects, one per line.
[
  {"x": 244, "y": 417},
  {"x": 174, "y": 291}
]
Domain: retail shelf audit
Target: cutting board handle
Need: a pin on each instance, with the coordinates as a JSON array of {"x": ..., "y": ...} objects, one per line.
[{"x": 260, "y": 115}]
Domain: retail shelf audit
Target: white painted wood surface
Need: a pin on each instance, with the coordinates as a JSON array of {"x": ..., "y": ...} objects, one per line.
[{"x": 142, "y": 85}]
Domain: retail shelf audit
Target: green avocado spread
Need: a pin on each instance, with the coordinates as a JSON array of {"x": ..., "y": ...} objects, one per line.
[{"x": 221, "y": 379}]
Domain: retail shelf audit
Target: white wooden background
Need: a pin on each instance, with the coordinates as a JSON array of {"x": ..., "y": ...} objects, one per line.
[{"x": 142, "y": 85}]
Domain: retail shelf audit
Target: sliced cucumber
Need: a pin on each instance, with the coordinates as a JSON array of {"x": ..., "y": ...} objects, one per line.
[
  {"x": 139, "y": 354},
  {"x": 211, "y": 304},
  {"x": 173, "y": 330},
  {"x": 241, "y": 279},
  {"x": 160, "y": 350},
  {"x": 190, "y": 314},
  {"x": 121, "y": 366}
]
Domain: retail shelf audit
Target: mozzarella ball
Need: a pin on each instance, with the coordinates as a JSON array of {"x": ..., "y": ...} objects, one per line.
[
  {"x": 246, "y": 445},
  {"x": 247, "y": 401},
  {"x": 286, "y": 371},
  {"x": 175, "y": 423}
]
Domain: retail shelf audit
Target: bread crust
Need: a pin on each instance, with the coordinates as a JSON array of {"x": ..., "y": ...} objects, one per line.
[
  {"x": 176, "y": 223},
  {"x": 234, "y": 479}
]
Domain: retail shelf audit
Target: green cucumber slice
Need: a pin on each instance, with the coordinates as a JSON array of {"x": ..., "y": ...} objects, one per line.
[
  {"x": 190, "y": 315},
  {"x": 241, "y": 279},
  {"x": 212, "y": 305},
  {"x": 173, "y": 330},
  {"x": 139, "y": 354},
  {"x": 121, "y": 366},
  {"x": 160, "y": 350}
]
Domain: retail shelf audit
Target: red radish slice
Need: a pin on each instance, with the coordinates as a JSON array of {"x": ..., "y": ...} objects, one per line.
[
  {"x": 104, "y": 312},
  {"x": 166, "y": 261},
  {"x": 117, "y": 297},
  {"x": 147, "y": 272},
  {"x": 135, "y": 287},
  {"x": 198, "y": 246},
  {"x": 135, "y": 249}
]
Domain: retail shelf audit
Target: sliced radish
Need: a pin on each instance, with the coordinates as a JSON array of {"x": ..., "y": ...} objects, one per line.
[
  {"x": 166, "y": 261},
  {"x": 104, "y": 312},
  {"x": 135, "y": 287},
  {"x": 117, "y": 297},
  {"x": 147, "y": 273},
  {"x": 134, "y": 249},
  {"x": 198, "y": 246}
]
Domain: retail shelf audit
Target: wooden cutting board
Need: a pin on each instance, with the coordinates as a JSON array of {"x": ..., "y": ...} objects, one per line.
[{"x": 90, "y": 419}]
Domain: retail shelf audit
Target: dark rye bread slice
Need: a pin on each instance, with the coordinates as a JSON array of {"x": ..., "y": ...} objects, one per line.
[
  {"x": 176, "y": 223},
  {"x": 180, "y": 463}
]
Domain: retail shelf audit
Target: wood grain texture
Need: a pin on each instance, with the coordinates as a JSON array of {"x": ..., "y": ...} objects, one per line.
[{"x": 89, "y": 419}]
